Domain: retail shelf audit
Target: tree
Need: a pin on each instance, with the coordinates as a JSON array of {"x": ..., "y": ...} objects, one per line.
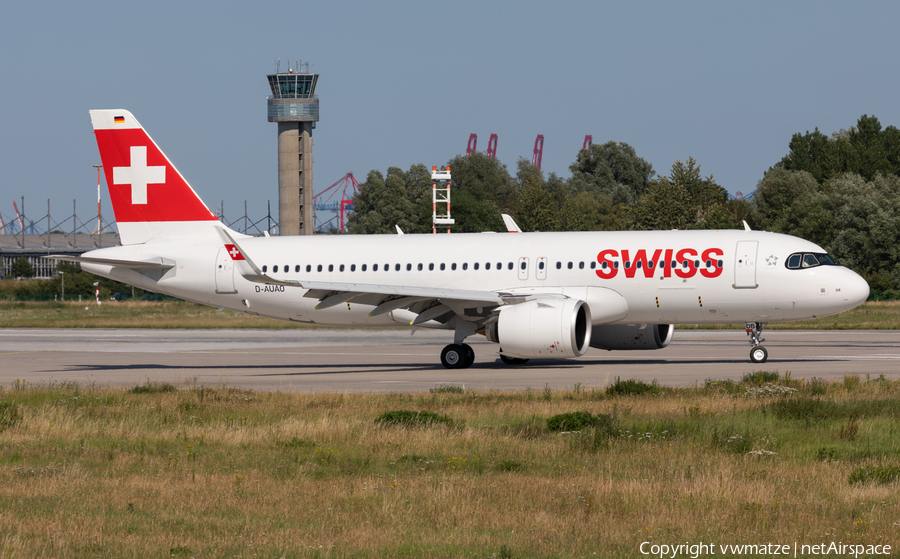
[
  {"x": 612, "y": 169},
  {"x": 21, "y": 268},
  {"x": 683, "y": 200},
  {"x": 666, "y": 205},
  {"x": 482, "y": 190},
  {"x": 776, "y": 194},
  {"x": 383, "y": 203}
]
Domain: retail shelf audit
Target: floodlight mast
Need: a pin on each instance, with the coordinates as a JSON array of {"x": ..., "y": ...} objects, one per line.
[{"x": 99, "y": 224}]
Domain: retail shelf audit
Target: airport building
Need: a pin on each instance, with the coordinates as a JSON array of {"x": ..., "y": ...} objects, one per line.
[
  {"x": 34, "y": 247},
  {"x": 295, "y": 107}
]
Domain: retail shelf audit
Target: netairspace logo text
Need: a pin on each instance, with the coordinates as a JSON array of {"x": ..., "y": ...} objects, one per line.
[{"x": 834, "y": 549}]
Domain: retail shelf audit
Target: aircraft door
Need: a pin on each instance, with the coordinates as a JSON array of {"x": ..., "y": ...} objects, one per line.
[
  {"x": 541, "y": 272},
  {"x": 523, "y": 268},
  {"x": 224, "y": 272},
  {"x": 745, "y": 265}
]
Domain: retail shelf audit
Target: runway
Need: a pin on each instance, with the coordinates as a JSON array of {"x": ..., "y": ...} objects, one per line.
[{"x": 350, "y": 360}]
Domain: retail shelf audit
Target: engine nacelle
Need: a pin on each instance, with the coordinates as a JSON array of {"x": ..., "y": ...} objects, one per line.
[
  {"x": 543, "y": 329},
  {"x": 632, "y": 336}
]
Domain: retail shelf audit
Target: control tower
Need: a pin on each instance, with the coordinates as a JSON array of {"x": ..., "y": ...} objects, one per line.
[{"x": 295, "y": 107}]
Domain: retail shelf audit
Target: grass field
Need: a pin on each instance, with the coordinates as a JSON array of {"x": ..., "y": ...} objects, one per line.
[
  {"x": 159, "y": 471},
  {"x": 882, "y": 315}
]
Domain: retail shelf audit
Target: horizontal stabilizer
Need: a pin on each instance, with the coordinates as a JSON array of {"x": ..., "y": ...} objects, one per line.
[{"x": 157, "y": 263}]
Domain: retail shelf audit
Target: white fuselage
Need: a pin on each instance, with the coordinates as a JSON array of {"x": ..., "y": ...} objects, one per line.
[{"x": 752, "y": 283}]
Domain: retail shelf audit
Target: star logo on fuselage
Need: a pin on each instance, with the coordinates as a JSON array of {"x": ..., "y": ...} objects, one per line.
[{"x": 771, "y": 260}]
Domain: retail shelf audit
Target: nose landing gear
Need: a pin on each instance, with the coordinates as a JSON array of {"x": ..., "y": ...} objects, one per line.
[{"x": 758, "y": 354}]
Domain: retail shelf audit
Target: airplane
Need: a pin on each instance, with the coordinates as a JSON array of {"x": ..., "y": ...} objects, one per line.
[{"x": 536, "y": 295}]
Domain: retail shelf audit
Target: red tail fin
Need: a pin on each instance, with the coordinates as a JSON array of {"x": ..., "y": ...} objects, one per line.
[{"x": 144, "y": 186}]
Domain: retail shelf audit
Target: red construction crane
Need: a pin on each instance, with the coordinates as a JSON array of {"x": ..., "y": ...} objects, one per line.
[
  {"x": 538, "y": 151},
  {"x": 492, "y": 147},
  {"x": 345, "y": 204},
  {"x": 588, "y": 141},
  {"x": 472, "y": 145}
]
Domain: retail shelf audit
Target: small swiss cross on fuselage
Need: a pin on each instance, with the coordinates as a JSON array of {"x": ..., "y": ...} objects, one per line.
[{"x": 234, "y": 252}]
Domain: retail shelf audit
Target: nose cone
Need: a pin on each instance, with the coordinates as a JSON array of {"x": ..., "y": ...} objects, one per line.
[{"x": 855, "y": 290}]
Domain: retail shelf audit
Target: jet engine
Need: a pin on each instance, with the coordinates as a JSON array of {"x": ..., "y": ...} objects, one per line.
[
  {"x": 542, "y": 329},
  {"x": 632, "y": 336}
]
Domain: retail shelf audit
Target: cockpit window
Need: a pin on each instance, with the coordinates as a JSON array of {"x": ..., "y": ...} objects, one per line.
[{"x": 809, "y": 260}]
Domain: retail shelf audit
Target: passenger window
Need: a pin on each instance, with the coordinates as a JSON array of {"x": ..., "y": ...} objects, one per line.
[
  {"x": 331, "y": 267},
  {"x": 342, "y": 267},
  {"x": 616, "y": 264},
  {"x": 487, "y": 265},
  {"x": 541, "y": 265},
  {"x": 453, "y": 266},
  {"x": 396, "y": 267},
  {"x": 287, "y": 268},
  {"x": 638, "y": 264},
  {"x": 721, "y": 264},
  {"x": 593, "y": 265},
  {"x": 559, "y": 265},
  {"x": 408, "y": 267},
  {"x": 510, "y": 266},
  {"x": 374, "y": 267},
  {"x": 696, "y": 263},
  {"x": 475, "y": 265},
  {"x": 570, "y": 265},
  {"x": 443, "y": 266},
  {"x": 581, "y": 265},
  {"x": 308, "y": 268},
  {"x": 431, "y": 267},
  {"x": 499, "y": 265},
  {"x": 352, "y": 267},
  {"x": 674, "y": 264},
  {"x": 320, "y": 267},
  {"x": 684, "y": 264},
  {"x": 275, "y": 269},
  {"x": 297, "y": 268},
  {"x": 265, "y": 268},
  {"x": 420, "y": 266},
  {"x": 523, "y": 265},
  {"x": 363, "y": 268},
  {"x": 628, "y": 264},
  {"x": 604, "y": 265},
  {"x": 708, "y": 263},
  {"x": 809, "y": 261},
  {"x": 465, "y": 265},
  {"x": 387, "y": 267}
]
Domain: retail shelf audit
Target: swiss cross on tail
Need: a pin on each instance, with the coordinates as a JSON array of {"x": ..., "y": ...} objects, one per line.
[
  {"x": 144, "y": 186},
  {"x": 234, "y": 252}
]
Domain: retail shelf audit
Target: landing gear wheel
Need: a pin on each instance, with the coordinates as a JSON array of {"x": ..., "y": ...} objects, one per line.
[
  {"x": 468, "y": 356},
  {"x": 453, "y": 356},
  {"x": 759, "y": 354},
  {"x": 513, "y": 360}
]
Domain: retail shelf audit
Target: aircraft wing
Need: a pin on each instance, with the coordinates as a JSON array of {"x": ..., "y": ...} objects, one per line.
[{"x": 156, "y": 263}]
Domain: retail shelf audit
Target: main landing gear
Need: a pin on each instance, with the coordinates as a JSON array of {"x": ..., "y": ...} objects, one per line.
[
  {"x": 458, "y": 356},
  {"x": 758, "y": 354}
]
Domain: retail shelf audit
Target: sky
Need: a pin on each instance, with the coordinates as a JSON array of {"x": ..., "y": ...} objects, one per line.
[{"x": 401, "y": 83}]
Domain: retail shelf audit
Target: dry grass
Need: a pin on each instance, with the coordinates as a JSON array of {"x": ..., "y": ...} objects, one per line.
[
  {"x": 202, "y": 472},
  {"x": 878, "y": 315}
]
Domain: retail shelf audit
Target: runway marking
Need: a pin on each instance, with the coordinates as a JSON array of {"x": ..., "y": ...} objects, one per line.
[
  {"x": 63, "y": 348},
  {"x": 851, "y": 357}
]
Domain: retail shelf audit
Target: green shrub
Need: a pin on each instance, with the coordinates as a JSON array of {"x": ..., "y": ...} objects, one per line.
[
  {"x": 296, "y": 443},
  {"x": 826, "y": 454},
  {"x": 631, "y": 387},
  {"x": 446, "y": 389},
  {"x": 409, "y": 418},
  {"x": 730, "y": 440},
  {"x": 153, "y": 388},
  {"x": 507, "y": 466},
  {"x": 580, "y": 420},
  {"x": 875, "y": 474},
  {"x": 759, "y": 378},
  {"x": 10, "y": 415}
]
